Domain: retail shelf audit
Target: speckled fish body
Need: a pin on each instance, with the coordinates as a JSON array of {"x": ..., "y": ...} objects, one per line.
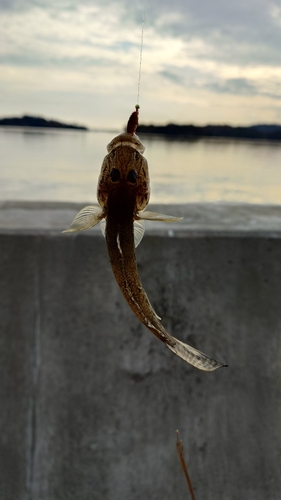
[{"x": 123, "y": 194}]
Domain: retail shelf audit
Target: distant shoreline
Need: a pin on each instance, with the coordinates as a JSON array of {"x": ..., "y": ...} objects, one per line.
[
  {"x": 37, "y": 121},
  {"x": 269, "y": 132},
  {"x": 170, "y": 131}
]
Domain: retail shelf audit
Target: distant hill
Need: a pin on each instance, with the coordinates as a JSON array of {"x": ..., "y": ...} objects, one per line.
[
  {"x": 271, "y": 132},
  {"x": 37, "y": 121}
]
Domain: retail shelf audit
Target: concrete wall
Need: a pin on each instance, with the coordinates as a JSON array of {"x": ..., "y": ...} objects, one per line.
[{"x": 90, "y": 400}]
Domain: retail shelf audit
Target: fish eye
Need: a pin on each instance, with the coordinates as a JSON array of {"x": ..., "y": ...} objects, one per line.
[
  {"x": 114, "y": 174},
  {"x": 132, "y": 176}
]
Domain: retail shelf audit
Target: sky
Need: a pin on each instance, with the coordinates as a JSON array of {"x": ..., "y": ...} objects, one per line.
[{"x": 203, "y": 62}]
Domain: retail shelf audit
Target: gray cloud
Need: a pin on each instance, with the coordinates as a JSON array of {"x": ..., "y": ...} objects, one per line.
[
  {"x": 240, "y": 86},
  {"x": 243, "y": 32},
  {"x": 185, "y": 76},
  {"x": 171, "y": 76},
  {"x": 236, "y": 86},
  {"x": 215, "y": 46}
]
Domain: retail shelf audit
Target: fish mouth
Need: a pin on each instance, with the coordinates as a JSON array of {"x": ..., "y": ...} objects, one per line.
[{"x": 126, "y": 139}]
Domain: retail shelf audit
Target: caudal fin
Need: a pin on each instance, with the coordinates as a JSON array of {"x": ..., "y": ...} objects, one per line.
[{"x": 193, "y": 356}]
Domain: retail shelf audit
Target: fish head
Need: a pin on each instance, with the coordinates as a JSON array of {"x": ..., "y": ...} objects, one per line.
[{"x": 124, "y": 173}]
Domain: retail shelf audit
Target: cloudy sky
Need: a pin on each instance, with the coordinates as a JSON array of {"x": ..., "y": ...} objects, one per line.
[{"x": 203, "y": 61}]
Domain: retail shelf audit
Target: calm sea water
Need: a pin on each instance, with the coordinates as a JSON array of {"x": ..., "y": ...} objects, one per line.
[{"x": 51, "y": 165}]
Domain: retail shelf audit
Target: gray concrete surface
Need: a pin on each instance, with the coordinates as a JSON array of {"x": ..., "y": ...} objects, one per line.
[
  {"x": 90, "y": 400},
  {"x": 198, "y": 218}
]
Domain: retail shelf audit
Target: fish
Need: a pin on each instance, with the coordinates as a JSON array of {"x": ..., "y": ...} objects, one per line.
[{"x": 123, "y": 194}]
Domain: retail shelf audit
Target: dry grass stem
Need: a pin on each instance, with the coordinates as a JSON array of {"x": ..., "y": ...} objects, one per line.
[{"x": 183, "y": 464}]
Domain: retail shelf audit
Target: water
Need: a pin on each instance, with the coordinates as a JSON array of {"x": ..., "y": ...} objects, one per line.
[{"x": 63, "y": 165}]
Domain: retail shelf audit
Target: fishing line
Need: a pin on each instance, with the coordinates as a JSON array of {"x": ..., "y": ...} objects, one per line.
[
  {"x": 134, "y": 118},
  {"x": 141, "y": 51}
]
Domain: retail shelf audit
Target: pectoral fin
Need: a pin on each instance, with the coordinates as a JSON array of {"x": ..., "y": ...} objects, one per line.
[
  {"x": 87, "y": 217},
  {"x": 138, "y": 230},
  {"x": 157, "y": 217}
]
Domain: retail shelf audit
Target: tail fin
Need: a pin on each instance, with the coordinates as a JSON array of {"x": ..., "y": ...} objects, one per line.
[{"x": 193, "y": 356}]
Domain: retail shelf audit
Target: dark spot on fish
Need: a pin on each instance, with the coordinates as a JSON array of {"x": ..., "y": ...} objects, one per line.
[
  {"x": 114, "y": 174},
  {"x": 132, "y": 176}
]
